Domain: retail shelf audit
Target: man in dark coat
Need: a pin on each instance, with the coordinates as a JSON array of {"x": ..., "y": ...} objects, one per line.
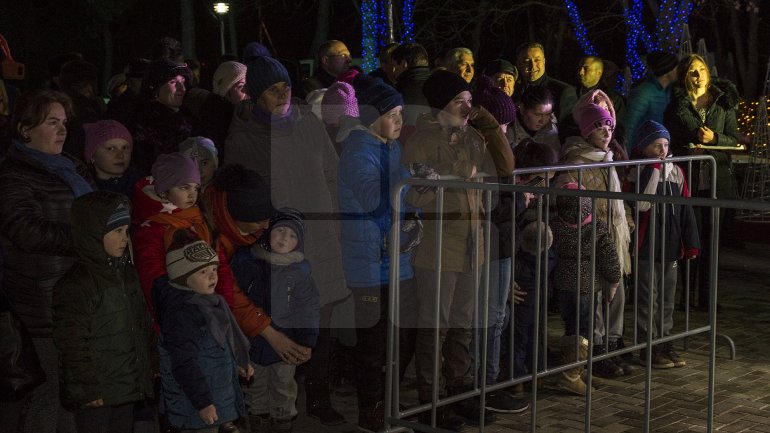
[
  {"x": 411, "y": 70},
  {"x": 531, "y": 62},
  {"x": 332, "y": 60}
]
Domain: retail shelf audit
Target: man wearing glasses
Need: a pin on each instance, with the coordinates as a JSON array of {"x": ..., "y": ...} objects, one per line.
[{"x": 333, "y": 59}]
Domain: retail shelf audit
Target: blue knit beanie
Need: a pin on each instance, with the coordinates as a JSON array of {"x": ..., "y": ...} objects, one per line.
[
  {"x": 648, "y": 132},
  {"x": 262, "y": 72},
  {"x": 375, "y": 98}
]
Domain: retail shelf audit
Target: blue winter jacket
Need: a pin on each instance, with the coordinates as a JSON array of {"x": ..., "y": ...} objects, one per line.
[
  {"x": 195, "y": 371},
  {"x": 367, "y": 175},
  {"x": 282, "y": 285}
]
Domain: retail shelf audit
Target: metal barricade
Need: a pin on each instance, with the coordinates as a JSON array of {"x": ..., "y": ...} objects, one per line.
[{"x": 396, "y": 419}]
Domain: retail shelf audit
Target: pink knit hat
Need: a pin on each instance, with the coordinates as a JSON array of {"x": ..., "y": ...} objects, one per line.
[
  {"x": 339, "y": 99},
  {"x": 593, "y": 117},
  {"x": 174, "y": 169},
  {"x": 99, "y": 132}
]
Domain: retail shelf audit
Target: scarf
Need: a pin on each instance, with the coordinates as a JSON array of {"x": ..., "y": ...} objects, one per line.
[
  {"x": 619, "y": 225},
  {"x": 283, "y": 123},
  {"x": 58, "y": 165},
  {"x": 190, "y": 218},
  {"x": 223, "y": 327},
  {"x": 230, "y": 236},
  {"x": 259, "y": 252}
]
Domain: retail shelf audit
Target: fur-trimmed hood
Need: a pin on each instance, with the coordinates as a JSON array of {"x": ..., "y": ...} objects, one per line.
[{"x": 528, "y": 238}]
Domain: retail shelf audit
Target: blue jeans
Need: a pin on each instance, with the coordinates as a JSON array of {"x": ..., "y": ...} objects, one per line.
[
  {"x": 499, "y": 287},
  {"x": 567, "y": 305}
]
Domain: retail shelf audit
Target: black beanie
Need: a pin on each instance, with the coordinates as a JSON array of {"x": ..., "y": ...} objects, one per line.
[
  {"x": 248, "y": 194},
  {"x": 161, "y": 72},
  {"x": 441, "y": 87},
  {"x": 292, "y": 218},
  {"x": 661, "y": 62}
]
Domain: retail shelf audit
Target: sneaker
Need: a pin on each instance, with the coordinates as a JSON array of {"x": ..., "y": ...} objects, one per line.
[
  {"x": 658, "y": 360},
  {"x": 503, "y": 402},
  {"x": 444, "y": 419},
  {"x": 607, "y": 368},
  {"x": 469, "y": 410},
  {"x": 228, "y": 427},
  {"x": 372, "y": 420},
  {"x": 325, "y": 414},
  {"x": 667, "y": 351}
]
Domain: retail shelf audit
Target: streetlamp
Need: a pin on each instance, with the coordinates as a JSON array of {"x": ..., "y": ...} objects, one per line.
[{"x": 221, "y": 9}]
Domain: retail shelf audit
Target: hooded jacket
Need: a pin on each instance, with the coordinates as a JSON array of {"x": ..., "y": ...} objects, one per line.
[
  {"x": 35, "y": 236},
  {"x": 102, "y": 328},
  {"x": 301, "y": 164}
]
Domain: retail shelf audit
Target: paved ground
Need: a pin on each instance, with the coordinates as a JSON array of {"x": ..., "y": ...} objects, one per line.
[{"x": 679, "y": 396}]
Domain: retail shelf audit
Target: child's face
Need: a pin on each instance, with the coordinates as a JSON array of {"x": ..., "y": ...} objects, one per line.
[
  {"x": 112, "y": 158},
  {"x": 388, "y": 126},
  {"x": 204, "y": 281},
  {"x": 184, "y": 196},
  {"x": 601, "y": 137},
  {"x": 283, "y": 240},
  {"x": 657, "y": 149},
  {"x": 116, "y": 241},
  {"x": 206, "y": 168}
]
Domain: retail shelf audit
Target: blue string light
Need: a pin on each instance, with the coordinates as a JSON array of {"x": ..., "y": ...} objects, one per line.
[
  {"x": 407, "y": 23},
  {"x": 579, "y": 28},
  {"x": 369, "y": 35}
]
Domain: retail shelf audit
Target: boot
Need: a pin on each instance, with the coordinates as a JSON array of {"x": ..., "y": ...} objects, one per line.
[
  {"x": 605, "y": 368},
  {"x": 318, "y": 404},
  {"x": 619, "y": 360},
  {"x": 571, "y": 380}
]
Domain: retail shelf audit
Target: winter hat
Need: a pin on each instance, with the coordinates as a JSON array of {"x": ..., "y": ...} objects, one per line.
[
  {"x": 499, "y": 104},
  {"x": 121, "y": 216},
  {"x": 375, "y": 98},
  {"x": 528, "y": 241},
  {"x": 262, "y": 72},
  {"x": 292, "y": 218},
  {"x": 339, "y": 99},
  {"x": 97, "y": 133},
  {"x": 161, "y": 72},
  {"x": 501, "y": 66},
  {"x": 592, "y": 97},
  {"x": 193, "y": 146},
  {"x": 174, "y": 169},
  {"x": 226, "y": 75},
  {"x": 648, "y": 132},
  {"x": 441, "y": 87},
  {"x": 187, "y": 260},
  {"x": 248, "y": 194},
  {"x": 253, "y": 50},
  {"x": 77, "y": 72},
  {"x": 593, "y": 117},
  {"x": 567, "y": 206},
  {"x": 661, "y": 62}
]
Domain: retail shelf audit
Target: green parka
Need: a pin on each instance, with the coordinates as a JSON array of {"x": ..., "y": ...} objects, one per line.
[{"x": 102, "y": 328}]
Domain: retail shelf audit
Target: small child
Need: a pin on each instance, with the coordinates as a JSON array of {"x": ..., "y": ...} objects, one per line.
[
  {"x": 166, "y": 202},
  {"x": 575, "y": 216},
  {"x": 276, "y": 276},
  {"x": 202, "y": 349},
  {"x": 681, "y": 241},
  {"x": 525, "y": 275},
  {"x": 107, "y": 152},
  {"x": 204, "y": 152},
  {"x": 102, "y": 328}
]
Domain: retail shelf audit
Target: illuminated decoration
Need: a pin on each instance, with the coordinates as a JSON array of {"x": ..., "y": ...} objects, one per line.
[
  {"x": 407, "y": 22},
  {"x": 579, "y": 28},
  {"x": 369, "y": 35},
  {"x": 753, "y": 123}
]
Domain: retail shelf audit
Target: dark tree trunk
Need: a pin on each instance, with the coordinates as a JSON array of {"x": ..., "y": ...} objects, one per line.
[
  {"x": 321, "y": 27},
  {"x": 187, "y": 16}
]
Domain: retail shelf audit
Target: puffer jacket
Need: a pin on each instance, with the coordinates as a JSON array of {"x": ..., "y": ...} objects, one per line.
[
  {"x": 282, "y": 284},
  {"x": 368, "y": 173},
  {"x": 572, "y": 253},
  {"x": 150, "y": 234},
  {"x": 102, "y": 329},
  {"x": 683, "y": 121},
  {"x": 195, "y": 371},
  {"x": 35, "y": 236},
  {"x": 301, "y": 164}
]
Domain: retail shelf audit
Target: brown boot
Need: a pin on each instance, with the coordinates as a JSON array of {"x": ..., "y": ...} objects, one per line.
[{"x": 571, "y": 380}]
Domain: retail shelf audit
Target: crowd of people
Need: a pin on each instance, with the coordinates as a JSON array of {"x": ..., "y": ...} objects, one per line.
[{"x": 176, "y": 253}]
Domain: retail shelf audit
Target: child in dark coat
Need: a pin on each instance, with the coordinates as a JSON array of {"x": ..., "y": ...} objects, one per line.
[
  {"x": 276, "y": 276},
  {"x": 202, "y": 349},
  {"x": 102, "y": 328}
]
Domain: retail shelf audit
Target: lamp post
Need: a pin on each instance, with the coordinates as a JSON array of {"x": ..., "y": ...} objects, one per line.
[{"x": 221, "y": 9}]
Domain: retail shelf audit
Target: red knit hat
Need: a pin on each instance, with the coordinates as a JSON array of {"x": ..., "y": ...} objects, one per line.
[{"x": 99, "y": 132}]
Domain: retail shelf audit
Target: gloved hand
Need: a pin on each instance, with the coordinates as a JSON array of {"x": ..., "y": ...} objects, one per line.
[{"x": 423, "y": 171}]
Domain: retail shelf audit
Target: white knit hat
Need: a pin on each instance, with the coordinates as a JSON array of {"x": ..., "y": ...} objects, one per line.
[{"x": 226, "y": 75}]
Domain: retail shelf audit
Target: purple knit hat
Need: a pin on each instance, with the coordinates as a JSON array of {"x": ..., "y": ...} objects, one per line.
[
  {"x": 99, "y": 132},
  {"x": 593, "y": 117},
  {"x": 174, "y": 169},
  {"x": 339, "y": 99},
  {"x": 499, "y": 104}
]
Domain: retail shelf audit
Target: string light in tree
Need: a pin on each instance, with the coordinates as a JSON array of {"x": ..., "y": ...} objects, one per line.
[
  {"x": 579, "y": 28},
  {"x": 407, "y": 23},
  {"x": 369, "y": 35}
]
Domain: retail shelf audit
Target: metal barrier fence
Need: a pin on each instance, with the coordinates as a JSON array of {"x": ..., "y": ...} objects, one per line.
[{"x": 397, "y": 419}]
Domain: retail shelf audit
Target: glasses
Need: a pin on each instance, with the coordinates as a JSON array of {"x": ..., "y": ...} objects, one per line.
[{"x": 343, "y": 55}]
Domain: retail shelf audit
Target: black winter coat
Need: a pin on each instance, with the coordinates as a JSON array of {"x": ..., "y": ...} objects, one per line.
[
  {"x": 35, "y": 236},
  {"x": 158, "y": 130}
]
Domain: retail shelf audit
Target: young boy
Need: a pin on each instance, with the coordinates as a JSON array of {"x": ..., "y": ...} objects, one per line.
[
  {"x": 680, "y": 240},
  {"x": 276, "y": 276},
  {"x": 102, "y": 328},
  {"x": 202, "y": 350}
]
